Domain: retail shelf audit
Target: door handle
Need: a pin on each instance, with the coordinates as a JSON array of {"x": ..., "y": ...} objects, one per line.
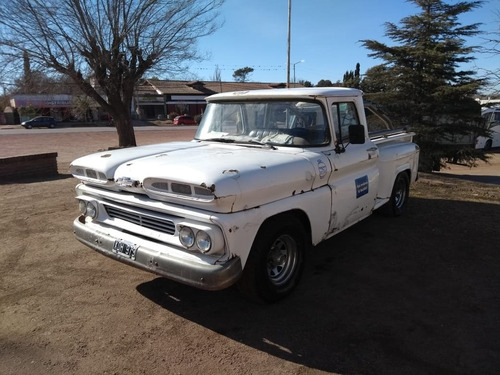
[{"x": 372, "y": 152}]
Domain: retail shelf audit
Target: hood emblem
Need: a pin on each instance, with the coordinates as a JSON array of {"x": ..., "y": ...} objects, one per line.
[
  {"x": 127, "y": 182},
  {"x": 322, "y": 168}
]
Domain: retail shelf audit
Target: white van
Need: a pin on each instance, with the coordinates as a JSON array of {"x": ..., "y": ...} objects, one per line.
[{"x": 491, "y": 118}]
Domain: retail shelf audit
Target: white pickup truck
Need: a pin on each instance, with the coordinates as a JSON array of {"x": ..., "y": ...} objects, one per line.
[{"x": 268, "y": 175}]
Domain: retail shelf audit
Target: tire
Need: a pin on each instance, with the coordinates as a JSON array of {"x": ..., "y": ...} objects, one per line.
[
  {"x": 400, "y": 193},
  {"x": 276, "y": 260},
  {"x": 488, "y": 145}
]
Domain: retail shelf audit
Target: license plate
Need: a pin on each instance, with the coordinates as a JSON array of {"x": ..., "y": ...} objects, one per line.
[{"x": 125, "y": 248}]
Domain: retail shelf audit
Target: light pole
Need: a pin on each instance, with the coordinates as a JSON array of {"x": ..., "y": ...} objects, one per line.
[{"x": 298, "y": 62}]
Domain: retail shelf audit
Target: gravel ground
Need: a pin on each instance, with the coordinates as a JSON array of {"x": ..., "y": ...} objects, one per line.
[{"x": 411, "y": 295}]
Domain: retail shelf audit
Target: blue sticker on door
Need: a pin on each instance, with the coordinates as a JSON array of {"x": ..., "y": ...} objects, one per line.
[{"x": 361, "y": 186}]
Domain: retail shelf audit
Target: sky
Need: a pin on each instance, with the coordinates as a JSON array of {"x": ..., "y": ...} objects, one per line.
[{"x": 325, "y": 35}]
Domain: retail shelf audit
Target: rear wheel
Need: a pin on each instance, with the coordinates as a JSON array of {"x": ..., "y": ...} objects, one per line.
[
  {"x": 400, "y": 193},
  {"x": 276, "y": 260}
]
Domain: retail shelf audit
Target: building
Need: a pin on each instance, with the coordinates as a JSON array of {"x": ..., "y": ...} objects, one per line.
[
  {"x": 157, "y": 99},
  {"x": 56, "y": 105},
  {"x": 153, "y": 99}
]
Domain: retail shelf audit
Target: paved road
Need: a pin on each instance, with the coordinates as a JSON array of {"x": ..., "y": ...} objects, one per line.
[
  {"x": 18, "y": 129},
  {"x": 73, "y": 142}
]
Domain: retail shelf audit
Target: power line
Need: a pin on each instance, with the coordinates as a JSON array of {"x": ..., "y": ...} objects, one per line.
[{"x": 235, "y": 67}]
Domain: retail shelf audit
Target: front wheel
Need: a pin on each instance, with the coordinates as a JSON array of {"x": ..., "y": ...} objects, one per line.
[{"x": 276, "y": 260}]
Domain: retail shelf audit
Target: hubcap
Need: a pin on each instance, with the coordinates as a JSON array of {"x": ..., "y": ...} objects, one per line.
[
  {"x": 282, "y": 260},
  {"x": 400, "y": 195}
]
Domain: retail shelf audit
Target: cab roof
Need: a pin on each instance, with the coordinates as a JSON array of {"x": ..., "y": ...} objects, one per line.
[{"x": 305, "y": 92}]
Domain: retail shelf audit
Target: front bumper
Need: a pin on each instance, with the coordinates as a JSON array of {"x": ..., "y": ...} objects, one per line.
[{"x": 200, "y": 275}]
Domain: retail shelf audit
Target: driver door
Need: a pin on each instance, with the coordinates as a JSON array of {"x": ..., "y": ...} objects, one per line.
[{"x": 354, "y": 180}]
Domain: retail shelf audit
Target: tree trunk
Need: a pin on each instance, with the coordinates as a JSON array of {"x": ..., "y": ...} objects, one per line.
[
  {"x": 122, "y": 118},
  {"x": 125, "y": 130}
]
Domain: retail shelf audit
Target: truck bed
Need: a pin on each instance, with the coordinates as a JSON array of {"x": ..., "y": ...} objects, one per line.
[{"x": 391, "y": 136}]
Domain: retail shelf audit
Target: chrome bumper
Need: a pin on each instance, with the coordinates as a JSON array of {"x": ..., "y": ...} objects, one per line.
[{"x": 202, "y": 276}]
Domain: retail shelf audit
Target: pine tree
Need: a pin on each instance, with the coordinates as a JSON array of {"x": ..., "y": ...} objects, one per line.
[
  {"x": 427, "y": 90},
  {"x": 241, "y": 75},
  {"x": 352, "y": 78}
]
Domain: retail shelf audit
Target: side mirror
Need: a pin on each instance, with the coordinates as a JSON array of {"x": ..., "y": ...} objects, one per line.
[{"x": 356, "y": 134}]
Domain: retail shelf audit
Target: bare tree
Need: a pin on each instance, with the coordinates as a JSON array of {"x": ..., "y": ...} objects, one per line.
[
  {"x": 106, "y": 46},
  {"x": 82, "y": 107},
  {"x": 217, "y": 76},
  {"x": 492, "y": 48}
]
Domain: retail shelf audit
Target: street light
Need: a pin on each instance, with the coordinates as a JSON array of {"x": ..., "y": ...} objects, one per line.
[{"x": 298, "y": 62}]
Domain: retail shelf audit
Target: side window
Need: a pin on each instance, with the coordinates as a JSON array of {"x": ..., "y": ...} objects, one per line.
[
  {"x": 375, "y": 122},
  {"x": 344, "y": 115}
]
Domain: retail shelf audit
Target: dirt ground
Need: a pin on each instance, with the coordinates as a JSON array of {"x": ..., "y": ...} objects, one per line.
[{"x": 411, "y": 295}]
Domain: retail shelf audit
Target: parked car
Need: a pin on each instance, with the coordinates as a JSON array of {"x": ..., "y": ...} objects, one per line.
[
  {"x": 184, "y": 120},
  {"x": 40, "y": 121}
]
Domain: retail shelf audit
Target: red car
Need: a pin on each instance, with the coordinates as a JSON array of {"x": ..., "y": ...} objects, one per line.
[{"x": 184, "y": 120}]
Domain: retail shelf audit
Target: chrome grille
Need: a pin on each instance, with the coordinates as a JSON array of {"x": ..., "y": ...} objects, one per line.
[{"x": 146, "y": 221}]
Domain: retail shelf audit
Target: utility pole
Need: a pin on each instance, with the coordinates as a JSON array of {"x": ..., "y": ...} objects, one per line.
[{"x": 288, "y": 47}]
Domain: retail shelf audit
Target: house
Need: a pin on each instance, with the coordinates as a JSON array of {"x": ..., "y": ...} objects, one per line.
[{"x": 156, "y": 99}]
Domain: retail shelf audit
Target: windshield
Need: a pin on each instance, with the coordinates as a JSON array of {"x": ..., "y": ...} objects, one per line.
[{"x": 280, "y": 123}]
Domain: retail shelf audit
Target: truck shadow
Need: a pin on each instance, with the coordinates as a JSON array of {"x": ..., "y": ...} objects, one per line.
[{"x": 413, "y": 295}]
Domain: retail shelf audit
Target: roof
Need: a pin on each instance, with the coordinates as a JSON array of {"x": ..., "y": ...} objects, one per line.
[
  {"x": 166, "y": 87},
  {"x": 288, "y": 93}
]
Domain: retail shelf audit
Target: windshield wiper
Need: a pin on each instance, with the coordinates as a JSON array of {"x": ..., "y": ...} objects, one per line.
[
  {"x": 224, "y": 140},
  {"x": 231, "y": 140},
  {"x": 267, "y": 144}
]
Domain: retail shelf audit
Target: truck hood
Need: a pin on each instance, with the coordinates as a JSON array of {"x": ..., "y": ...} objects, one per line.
[{"x": 213, "y": 176}]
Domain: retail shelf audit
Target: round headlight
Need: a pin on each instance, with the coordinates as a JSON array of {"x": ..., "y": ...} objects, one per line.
[
  {"x": 82, "y": 206},
  {"x": 203, "y": 241},
  {"x": 186, "y": 236},
  {"x": 91, "y": 210}
]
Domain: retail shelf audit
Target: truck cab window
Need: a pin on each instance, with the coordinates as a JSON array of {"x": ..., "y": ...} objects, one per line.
[
  {"x": 344, "y": 115},
  {"x": 291, "y": 123}
]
